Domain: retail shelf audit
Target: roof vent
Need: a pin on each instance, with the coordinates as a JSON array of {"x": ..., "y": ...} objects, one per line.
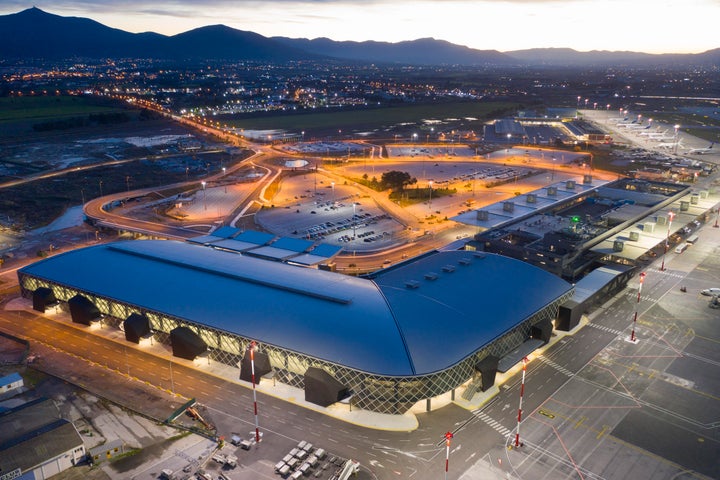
[
  {"x": 448, "y": 268},
  {"x": 412, "y": 284},
  {"x": 431, "y": 276},
  {"x": 464, "y": 261}
]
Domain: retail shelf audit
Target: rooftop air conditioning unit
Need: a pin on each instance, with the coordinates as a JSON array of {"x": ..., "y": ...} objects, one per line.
[
  {"x": 448, "y": 268},
  {"x": 570, "y": 185},
  {"x": 412, "y": 284},
  {"x": 587, "y": 179},
  {"x": 431, "y": 276}
]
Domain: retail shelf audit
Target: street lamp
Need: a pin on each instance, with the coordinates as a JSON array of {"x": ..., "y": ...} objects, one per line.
[
  {"x": 332, "y": 185},
  {"x": 224, "y": 170},
  {"x": 671, "y": 215},
  {"x": 414, "y": 137},
  {"x": 353, "y": 220},
  {"x": 677, "y": 128},
  {"x": 101, "y": 188},
  {"x": 203, "y": 183},
  {"x": 430, "y": 183},
  {"x": 632, "y": 334}
]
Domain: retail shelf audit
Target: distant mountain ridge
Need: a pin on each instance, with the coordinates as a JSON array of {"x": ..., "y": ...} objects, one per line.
[{"x": 35, "y": 34}]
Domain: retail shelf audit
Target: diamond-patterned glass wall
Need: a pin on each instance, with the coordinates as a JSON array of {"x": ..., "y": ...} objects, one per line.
[{"x": 393, "y": 395}]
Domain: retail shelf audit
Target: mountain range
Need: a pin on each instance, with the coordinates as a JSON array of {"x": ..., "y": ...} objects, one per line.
[{"x": 35, "y": 34}]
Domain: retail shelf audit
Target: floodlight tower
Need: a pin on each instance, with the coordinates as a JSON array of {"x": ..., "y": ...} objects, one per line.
[
  {"x": 522, "y": 390},
  {"x": 253, "y": 345},
  {"x": 448, "y": 437}
]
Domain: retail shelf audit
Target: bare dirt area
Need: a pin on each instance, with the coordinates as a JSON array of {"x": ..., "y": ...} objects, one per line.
[{"x": 44, "y": 175}]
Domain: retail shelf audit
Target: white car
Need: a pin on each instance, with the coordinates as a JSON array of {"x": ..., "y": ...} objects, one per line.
[{"x": 711, "y": 291}]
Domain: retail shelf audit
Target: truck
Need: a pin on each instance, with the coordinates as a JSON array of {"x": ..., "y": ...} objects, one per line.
[{"x": 167, "y": 474}]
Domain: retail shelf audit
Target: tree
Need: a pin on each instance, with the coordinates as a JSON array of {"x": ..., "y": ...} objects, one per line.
[{"x": 396, "y": 180}]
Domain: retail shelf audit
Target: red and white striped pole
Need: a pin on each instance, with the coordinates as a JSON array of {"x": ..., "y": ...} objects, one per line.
[
  {"x": 522, "y": 390},
  {"x": 632, "y": 334},
  {"x": 252, "y": 370},
  {"x": 448, "y": 437}
]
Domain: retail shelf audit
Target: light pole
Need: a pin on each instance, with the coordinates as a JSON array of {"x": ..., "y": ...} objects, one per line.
[
  {"x": 430, "y": 198},
  {"x": 203, "y": 183},
  {"x": 332, "y": 185},
  {"x": 522, "y": 390},
  {"x": 717, "y": 217},
  {"x": 671, "y": 215},
  {"x": 101, "y": 188},
  {"x": 172, "y": 382},
  {"x": 632, "y": 334},
  {"x": 127, "y": 181},
  {"x": 354, "y": 220},
  {"x": 448, "y": 437},
  {"x": 252, "y": 377},
  {"x": 224, "y": 170},
  {"x": 677, "y": 128}
]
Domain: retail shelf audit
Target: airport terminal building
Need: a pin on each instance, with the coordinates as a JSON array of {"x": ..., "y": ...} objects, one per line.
[{"x": 443, "y": 321}]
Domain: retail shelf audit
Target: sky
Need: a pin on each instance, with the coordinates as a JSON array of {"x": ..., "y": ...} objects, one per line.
[{"x": 650, "y": 26}]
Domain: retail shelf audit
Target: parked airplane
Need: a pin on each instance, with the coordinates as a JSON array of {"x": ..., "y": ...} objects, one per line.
[
  {"x": 701, "y": 151},
  {"x": 670, "y": 145},
  {"x": 656, "y": 133}
]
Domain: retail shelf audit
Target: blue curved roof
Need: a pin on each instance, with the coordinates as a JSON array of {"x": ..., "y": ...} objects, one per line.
[{"x": 381, "y": 326}]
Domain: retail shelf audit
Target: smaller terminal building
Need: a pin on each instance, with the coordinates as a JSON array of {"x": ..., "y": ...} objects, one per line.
[{"x": 36, "y": 443}]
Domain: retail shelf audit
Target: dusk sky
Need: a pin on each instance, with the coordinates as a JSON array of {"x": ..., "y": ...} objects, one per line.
[{"x": 652, "y": 26}]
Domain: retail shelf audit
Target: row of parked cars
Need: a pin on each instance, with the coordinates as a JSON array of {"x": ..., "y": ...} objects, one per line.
[{"x": 301, "y": 460}]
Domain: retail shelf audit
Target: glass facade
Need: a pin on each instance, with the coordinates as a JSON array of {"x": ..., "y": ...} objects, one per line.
[{"x": 377, "y": 393}]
